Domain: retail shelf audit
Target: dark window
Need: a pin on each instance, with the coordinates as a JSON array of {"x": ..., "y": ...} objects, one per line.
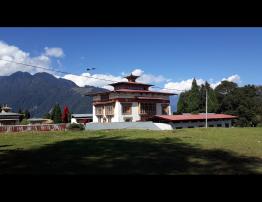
[
  {"x": 211, "y": 126},
  {"x": 179, "y": 127},
  {"x": 227, "y": 125},
  {"x": 127, "y": 108},
  {"x": 148, "y": 108},
  {"x": 219, "y": 125},
  {"x": 190, "y": 126},
  {"x": 105, "y": 97}
]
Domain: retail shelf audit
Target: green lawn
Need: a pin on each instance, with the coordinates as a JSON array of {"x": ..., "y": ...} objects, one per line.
[{"x": 186, "y": 151}]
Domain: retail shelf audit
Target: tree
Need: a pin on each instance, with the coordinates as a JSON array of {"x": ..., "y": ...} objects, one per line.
[
  {"x": 211, "y": 99},
  {"x": 202, "y": 94},
  {"x": 225, "y": 88},
  {"x": 56, "y": 114},
  {"x": 21, "y": 117},
  {"x": 65, "y": 115},
  {"x": 47, "y": 116},
  {"x": 181, "y": 105},
  {"x": 27, "y": 114},
  {"x": 24, "y": 122},
  {"x": 193, "y": 99}
]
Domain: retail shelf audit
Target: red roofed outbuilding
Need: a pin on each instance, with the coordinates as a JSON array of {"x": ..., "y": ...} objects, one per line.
[{"x": 195, "y": 120}]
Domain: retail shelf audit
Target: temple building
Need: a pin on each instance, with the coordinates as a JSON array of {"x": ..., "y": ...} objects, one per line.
[
  {"x": 130, "y": 101},
  {"x": 7, "y": 117}
]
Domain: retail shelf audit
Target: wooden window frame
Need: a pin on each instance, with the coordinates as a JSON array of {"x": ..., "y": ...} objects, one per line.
[{"x": 125, "y": 105}]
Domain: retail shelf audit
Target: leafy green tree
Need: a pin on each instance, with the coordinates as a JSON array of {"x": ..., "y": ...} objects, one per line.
[
  {"x": 47, "y": 116},
  {"x": 27, "y": 114},
  {"x": 193, "y": 100},
  {"x": 21, "y": 117},
  {"x": 182, "y": 105},
  {"x": 211, "y": 99},
  {"x": 56, "y": 114},
  {"x": 24, "y": 122}
]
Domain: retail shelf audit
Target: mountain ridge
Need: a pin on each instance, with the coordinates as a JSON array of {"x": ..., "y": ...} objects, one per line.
[{"x": 39, "y": 92}]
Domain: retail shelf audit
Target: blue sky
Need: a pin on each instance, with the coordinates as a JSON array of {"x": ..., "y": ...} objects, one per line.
[{"x": 175, "y": 54}]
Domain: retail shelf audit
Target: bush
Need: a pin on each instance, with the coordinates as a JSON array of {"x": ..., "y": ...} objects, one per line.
[
  {"x": 75, "y": 126},
  {"x": 24, "y": 122}
]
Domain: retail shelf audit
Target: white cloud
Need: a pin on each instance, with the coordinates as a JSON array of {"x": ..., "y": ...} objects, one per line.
[
  {"x": 234, "y": 78},
  {"x": 186, "y": 84},
  {"x": 137, "y": 72},
  {"x": 98, "y": 80},
  {"x": 54, "y": 52},
  {"x": 181, "y": 85},
  {"x": 148, "y": 78},
  {"x": 13, "y": 53},
  {"x": 102, "y": 80}
]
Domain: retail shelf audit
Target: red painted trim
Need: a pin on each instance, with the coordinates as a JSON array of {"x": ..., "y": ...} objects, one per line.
[{"x": 149, "y": 100}]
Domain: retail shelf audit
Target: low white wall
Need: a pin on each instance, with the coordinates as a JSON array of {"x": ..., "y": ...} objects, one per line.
[{"x": 164, "y": 126}]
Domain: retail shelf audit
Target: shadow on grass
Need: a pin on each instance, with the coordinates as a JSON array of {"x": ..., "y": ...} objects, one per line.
[{"x": 117, "y": 155}]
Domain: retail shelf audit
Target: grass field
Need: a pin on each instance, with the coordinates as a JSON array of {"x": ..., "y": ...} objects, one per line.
[{"x": 185, "y": 151}]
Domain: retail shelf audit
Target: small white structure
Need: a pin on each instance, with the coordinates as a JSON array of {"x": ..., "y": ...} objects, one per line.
[
  {"x": 33, "y": 121},
  {"x": 81, "y": 118},
  {"x": 129, "y": 102}
]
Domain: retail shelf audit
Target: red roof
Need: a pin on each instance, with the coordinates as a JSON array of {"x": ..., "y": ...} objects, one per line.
[
  {"x": 132, "y": 83},
  {"x": 188, "y": 117},
  {"x": 151, "y": 98},
  {"x": 131, "y": 91},
  {"x": 142, "y": 91}
]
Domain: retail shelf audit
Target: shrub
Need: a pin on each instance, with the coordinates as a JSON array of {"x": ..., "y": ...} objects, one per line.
[
  {"x": 75, "y": 126},
  {"x": 24, "y": 122}
]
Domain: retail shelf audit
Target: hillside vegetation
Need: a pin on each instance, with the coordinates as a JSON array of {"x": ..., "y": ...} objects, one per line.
[{"x": 244, "y": 102}]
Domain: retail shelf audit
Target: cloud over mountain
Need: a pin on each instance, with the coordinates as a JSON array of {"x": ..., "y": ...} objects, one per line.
[{"x": 13, "y": 53}]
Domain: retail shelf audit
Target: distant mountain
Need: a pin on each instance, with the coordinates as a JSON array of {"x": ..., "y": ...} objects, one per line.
[{"x": 38, "y": 93}]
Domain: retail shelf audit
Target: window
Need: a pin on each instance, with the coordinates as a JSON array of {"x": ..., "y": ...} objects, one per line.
[
  {"x": 99, "y": 110},
  {"x": 190, "y": 126},
  {"x": 148, "y": 108},
  {"x": 165, "y": 110},
  {"x": 105, "y": 97},
  {"x": 227, "y": 125},
  {"x": 211, "y": 126},
  {"x": 126, "y": 108},
  {"x": 219, "y": 125},
  {"x": 179, "y": 127},
  {"x": 109, "y": 109}
]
